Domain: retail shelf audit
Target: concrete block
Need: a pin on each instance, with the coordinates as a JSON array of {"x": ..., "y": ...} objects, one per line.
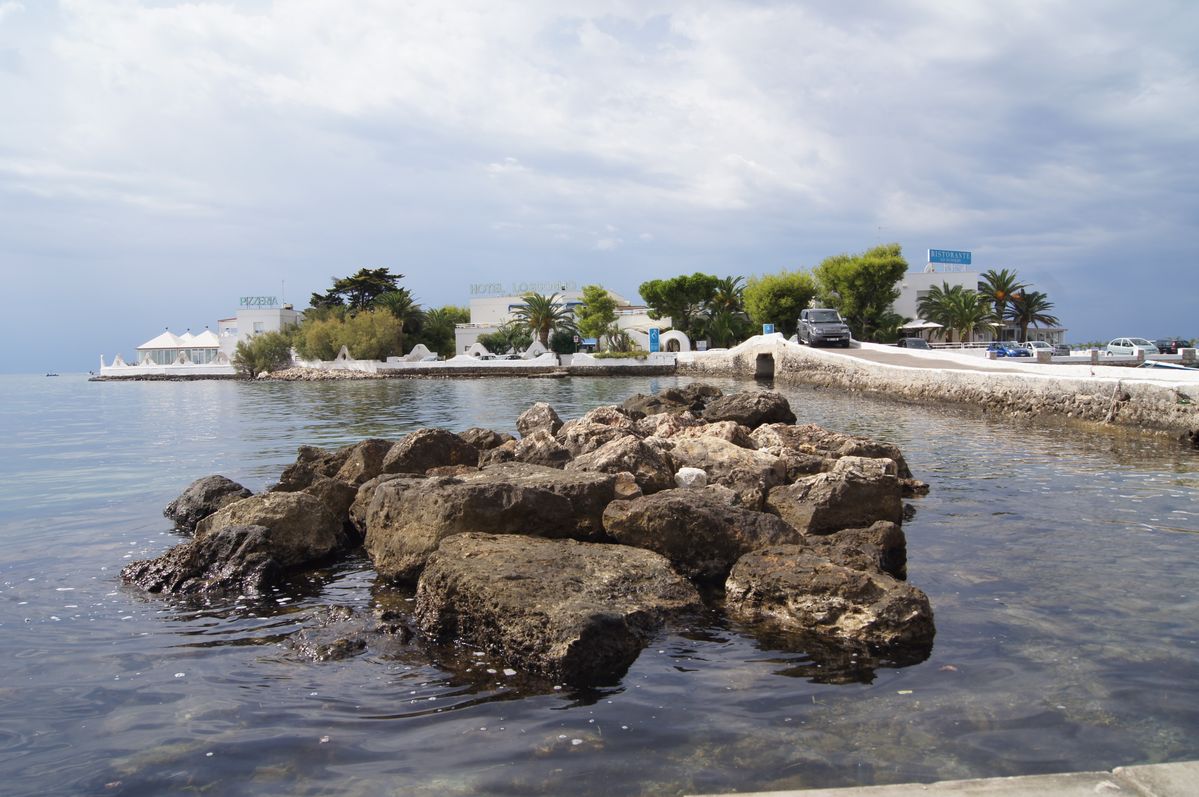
[{"x": 1162, "y": 780}]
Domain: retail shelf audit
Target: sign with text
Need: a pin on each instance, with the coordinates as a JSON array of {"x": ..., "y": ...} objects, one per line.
[
  {"x": 519, "y": 288},
  {"x": 258, "y": 301},
  {"x": 768, "y": 329},
  {"x": 949, "y": 256},
  {"x": 654, "y": 340}
]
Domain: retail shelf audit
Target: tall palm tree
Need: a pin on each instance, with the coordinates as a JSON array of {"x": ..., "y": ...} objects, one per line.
[
  {"x": 956, "y": 308},
  {"x": 1001, "y": 289},
  {"x": 724, "y": 318},
  {"x": 1032, "y": 307},
  {"x": 543, "y": 314},
  {"x": 401, "y": 304}
]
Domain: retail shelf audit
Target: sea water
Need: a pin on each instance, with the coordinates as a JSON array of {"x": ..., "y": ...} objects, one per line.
[{"x": 1060, "y": 564}]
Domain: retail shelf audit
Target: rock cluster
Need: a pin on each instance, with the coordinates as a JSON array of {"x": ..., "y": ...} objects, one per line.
[{"x": 565, "y": 550}]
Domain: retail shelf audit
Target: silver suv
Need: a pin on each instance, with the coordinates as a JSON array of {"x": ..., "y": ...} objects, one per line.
[{"x": 823, "y": 327}]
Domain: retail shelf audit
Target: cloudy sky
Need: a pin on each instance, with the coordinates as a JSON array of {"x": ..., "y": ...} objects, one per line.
[{"x": 160, "y": 159}]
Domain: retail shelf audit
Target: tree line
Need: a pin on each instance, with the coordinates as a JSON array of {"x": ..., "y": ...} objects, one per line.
[{"x": 999, "y": 297}]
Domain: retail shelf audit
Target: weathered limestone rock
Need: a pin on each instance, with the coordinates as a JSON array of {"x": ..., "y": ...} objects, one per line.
[
  {"x": 855, "y": 494},
  {"x": 538, "y": 417},
  {"x": 750, "y": 408},
  {"x": 812, "y": 439},
  {"x": 365, "y": 461},
  {"x": 311, "y": 464},
  {"x": 651, "y": 465},
  {"x": 429, "y": 448},
  {"x": 729, "y": 431},
  {"x": 406, "y": 523},
  {"x": 201, "y": 498},
  {"x": 588, "y": 492},
  {"x": 690, "y": 478},
  {"x": 233, "y": 560},
  {"x": 337, "y": 496},
  {"x": 538, "y": 448},
  {"x": 484, "y": 439},
  {"x": 795, "y": 589},
  {"x": 751, "y": 474},
  {"x": 699, "y": 533},
  {"x": 665, "y": 425},
  {"x": 301, "y": 529},
  {"x": 882, "y": 546},
  {"x": 366, "y": 493},
  {"x": 601, "y": 425},
  {"x": 504, "y": 452},
  {"x": 575, "y": 612}
]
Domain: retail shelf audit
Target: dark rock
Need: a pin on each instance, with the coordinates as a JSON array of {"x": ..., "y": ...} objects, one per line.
[
  {"x": 311, "y": 463},
  {"x": 750, "y": 408},
  {"x": 698, "y": 531},
  {"x": 856, "y": 493},
  {"x": 538, "y": 448},
  {"x": 540, "y": 416},
  {"x": 337, "y": 496},
  {"x": 671, "y": 401},
  {"x": 882, "y": 546},
  {"x": 795, "y": 589},
  {"x": 201, "y": 498},
  {"x": 574, "y": 612},
  {"x": 333, "y": 633},
  {"x": 365, "y": 461},
  {"x": 485, "y": 439},
  {"x": 587, "y": 492},
  {"x": 429, "y": 448},
  {"x": 405, "y": 524},
  {"x": 504, "y": 452},
  {"x": 301, "y": 529},
  {"x": 651, "y": 465},
  {"x": 234, "y": 560}
]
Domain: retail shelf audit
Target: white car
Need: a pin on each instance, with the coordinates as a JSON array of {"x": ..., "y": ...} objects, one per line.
[
  {"x": 1128, "y": 347},
  {"x": 1037, "y": 345}
]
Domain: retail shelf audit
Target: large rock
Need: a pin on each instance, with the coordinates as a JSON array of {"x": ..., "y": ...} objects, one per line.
[
  {"x": 234, "y": 560},
  {"x": 311, "y": 464},
  {"x": 300, "y": 528},
  {"x": 729, "y": 431},
  {"x": 337, "y": 496},
  {"x": 588, "y": 492},
  {"x": 750, "y": 408},
  {"x": 485, "y": 439},
  {"x": 812, "y": 439},
  {"x": 600, "y": 426},
  {"x": 882, "y": 547},
  {"x": 751, "y": 474},
  {"x": 664, "y": 425},
  {"x": 540, "y": 416},
  {"x": 406, "y": 523},
  {"x": 856, "y": 493},
  {"x": 574, "y": 612},
  {"x": 795, "y": 589},
  {"x": 538, "y": 448},
  {"x": 699, "y": 533},
  {"x": 201, "y": 498},
  {"x": 651, "y": 465},
  {"x": 365, "y": 461},
  {"x": 429, "y": 448},
  {"x": 366, "y": 493},
  {"x": 671, "y": 401}
]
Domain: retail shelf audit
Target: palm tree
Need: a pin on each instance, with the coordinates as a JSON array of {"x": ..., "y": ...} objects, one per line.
[
  {"x": 543, "y": 314},
  {"x": 1001, "y": 289},
  {"x": 1031, "y": 307},
  {"x": 724, "y": 318},
  {"x": 956, "y": 308},
  {"x": 404, "y": 307}
]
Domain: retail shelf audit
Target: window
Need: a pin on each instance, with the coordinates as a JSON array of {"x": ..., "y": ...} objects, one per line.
[{"x": 259, "y": 326}]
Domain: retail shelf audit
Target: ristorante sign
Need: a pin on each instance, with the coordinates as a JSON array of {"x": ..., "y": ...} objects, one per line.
[{"x": 517, "y": 288}]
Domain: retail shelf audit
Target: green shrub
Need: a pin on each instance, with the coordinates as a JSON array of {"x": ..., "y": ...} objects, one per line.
[
  {"x": 268, "y": 351},
  {"x": 637, "y": 354}
]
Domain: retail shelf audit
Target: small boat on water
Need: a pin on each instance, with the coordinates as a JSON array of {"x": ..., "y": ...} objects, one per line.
[{"x": 51, "y": 374}]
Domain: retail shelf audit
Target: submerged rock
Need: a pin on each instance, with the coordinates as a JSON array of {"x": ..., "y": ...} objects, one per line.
[
  {"x": 795, "y": 589},
  {"x": 575, "y": 612},
  {"x": 698, "y": 531},
  {"x": 201, "y": 498}
]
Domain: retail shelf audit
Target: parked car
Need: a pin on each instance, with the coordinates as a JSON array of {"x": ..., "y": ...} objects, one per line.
[
  {"x": 823, "y": 326},
  {"x": 1128, "y": 347},
  {"x": 912, "y": 343},
  {"x": 1171, "y": 345},
  {"x": 1035, "y": 346},
  {"x": 1061, "y": 350},
  {"x": 1007, "y": 348}
]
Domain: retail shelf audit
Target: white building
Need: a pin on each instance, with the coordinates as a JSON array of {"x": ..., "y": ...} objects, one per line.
[
  {"x": 489, "y": 313},
  {"x": 251, "y": 321}
]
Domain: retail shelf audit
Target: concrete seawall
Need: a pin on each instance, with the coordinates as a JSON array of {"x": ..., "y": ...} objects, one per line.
[{"x": 1161, "y": 401}]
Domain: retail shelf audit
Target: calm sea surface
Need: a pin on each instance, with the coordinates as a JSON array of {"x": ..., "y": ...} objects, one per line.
[{"x": 1061, "y": 567}]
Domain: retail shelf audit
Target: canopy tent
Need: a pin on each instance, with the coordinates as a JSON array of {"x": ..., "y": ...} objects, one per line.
[
  {"x": 920, "y": 323},
  {"x": 166, "y": 340}
]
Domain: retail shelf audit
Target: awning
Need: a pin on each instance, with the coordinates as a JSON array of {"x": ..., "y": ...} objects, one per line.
[{"x": 920, "y": 323}]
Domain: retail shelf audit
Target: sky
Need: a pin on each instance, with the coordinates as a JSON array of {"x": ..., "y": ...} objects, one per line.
[{"x": 159, "y": 160}]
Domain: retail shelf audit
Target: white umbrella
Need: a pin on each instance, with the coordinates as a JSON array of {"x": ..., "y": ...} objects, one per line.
[{"x": 920, "y": 323}]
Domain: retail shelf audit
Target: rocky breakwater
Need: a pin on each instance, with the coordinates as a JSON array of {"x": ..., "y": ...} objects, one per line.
[{"x": 564, "y": 551}]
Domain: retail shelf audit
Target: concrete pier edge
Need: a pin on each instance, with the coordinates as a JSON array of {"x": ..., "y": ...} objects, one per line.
[{"x": 1179, "y": 779}]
